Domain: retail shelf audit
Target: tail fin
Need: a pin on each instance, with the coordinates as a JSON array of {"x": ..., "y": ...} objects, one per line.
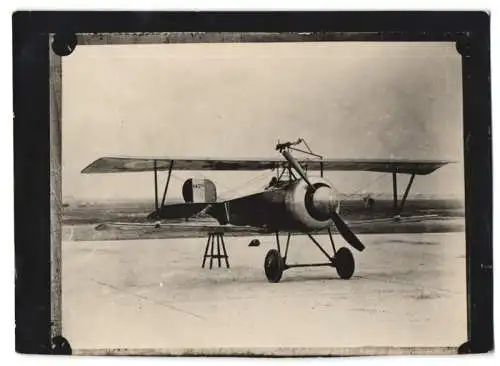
[{"x": 199, "y": 194}]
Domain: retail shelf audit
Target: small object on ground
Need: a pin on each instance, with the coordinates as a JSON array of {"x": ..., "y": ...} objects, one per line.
[{"x": 254, "y": 243}]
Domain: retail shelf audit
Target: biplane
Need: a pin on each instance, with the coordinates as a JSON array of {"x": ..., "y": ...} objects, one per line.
[{"x": 294, "y": 201}]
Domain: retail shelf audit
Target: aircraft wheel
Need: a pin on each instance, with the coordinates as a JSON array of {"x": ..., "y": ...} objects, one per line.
[
  {"x": 273, "y": 266},
  {"x": 344, "y": 262}
]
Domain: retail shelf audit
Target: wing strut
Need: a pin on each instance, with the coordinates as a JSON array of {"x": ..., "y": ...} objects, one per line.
[
  {"x": 399, "y": 208},
  {"x": 157, "y": 209},
  {"x": 166, "y": 184},
  {"x": 395, "y": 192},
  {"x": 405, "y": 195}
]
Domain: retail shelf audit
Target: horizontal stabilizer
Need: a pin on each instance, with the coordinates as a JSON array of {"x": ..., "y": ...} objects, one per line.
[{"x": 179, "y": 211}]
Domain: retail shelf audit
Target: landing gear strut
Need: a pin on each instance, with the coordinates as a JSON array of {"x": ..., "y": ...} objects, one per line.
[{"x": 275, "y": 264}]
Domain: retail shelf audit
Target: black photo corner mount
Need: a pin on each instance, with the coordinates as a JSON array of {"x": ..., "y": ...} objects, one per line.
[
  {"x": 31, "y": 35},
  {"x": 60, "y": 346},
  {"x": 63, "y": 44}
]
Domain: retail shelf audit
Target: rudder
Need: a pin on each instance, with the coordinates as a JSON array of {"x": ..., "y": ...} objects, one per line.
[{"x": 199, "y": 191}]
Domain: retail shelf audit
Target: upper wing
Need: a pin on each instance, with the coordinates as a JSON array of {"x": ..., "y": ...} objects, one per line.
[
  {"x": 420, "y": 167},
  {"x": 143, "y": 164},
  {"x": 139, "y": 164}
]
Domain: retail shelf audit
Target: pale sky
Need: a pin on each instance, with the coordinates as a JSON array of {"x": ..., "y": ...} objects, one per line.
[{"x": 348, "y": 100}]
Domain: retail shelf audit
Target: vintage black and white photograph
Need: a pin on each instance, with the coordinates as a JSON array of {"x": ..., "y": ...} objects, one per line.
[{"x": 262, "y": 198}]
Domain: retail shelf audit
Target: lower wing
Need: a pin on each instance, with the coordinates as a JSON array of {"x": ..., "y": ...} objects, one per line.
[
  {"x": 395, "y": 220},
  {"x": 177, "y": 227}
]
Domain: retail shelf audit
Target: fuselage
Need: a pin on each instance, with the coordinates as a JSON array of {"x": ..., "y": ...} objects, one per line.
[{"x": 289, "y": 205}]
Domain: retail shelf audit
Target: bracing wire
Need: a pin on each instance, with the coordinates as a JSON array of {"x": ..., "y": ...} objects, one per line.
[
  {"x": 365, "y": 187},
  {"x": 236, "y": 190},
  {"x": 356, "y": 192}
]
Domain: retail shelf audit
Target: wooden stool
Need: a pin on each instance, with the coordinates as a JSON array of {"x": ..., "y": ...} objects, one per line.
[{"x": 212, "y": 238}]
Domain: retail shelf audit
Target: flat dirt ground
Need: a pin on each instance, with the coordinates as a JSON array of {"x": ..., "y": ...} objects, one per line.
[{"x": 408, "y": 290}]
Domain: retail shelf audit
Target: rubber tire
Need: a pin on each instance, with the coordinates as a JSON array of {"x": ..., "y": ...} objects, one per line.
[
  {"x": 273, "y": 266},
  {"x": 344, "y": 262}
]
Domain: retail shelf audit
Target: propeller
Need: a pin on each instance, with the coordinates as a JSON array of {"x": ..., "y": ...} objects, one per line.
[
  {"x": 342, "y": 227},
  {"x": 346, "y": 232}
]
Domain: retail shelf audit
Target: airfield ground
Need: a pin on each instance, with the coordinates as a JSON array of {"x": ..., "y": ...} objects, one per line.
[{"x": 408, "y": 291}]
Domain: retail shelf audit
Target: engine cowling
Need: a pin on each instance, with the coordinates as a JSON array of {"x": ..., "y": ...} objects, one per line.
[{"x": 312, "y": 207}]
